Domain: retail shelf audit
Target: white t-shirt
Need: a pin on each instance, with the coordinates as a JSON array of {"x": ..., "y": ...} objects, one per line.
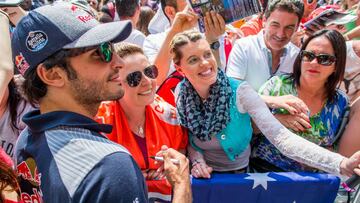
[
  {"x": 159, "y": 23},
  {"x": 8, "y": 136},
  {"x": 136, "y": 37},
  {"x": 250, "y": 60}
]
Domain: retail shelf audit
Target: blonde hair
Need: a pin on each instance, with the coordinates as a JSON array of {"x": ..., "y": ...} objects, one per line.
[{"x": 180, "y": 40}]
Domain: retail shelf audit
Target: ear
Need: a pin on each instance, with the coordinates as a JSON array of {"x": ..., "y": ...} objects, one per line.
[
  {"x": 263, "y": 21},
  {"x": 170, "y": 12},
  {"x": 55, "y": 76},
  {"x": 178, "y": 68}
]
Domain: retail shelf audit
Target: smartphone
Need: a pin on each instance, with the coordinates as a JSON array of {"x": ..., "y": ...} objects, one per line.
[{"x": 10, "y": 2}]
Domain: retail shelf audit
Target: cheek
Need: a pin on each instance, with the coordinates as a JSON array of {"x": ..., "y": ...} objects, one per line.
[
  {"x": 289, "y": 33},
  {"x": 328, "y": 71},
  {"x": 189, "y": 71}
]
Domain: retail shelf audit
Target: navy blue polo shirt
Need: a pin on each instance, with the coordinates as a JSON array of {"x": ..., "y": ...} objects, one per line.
[{"x": 63, "y": 157}]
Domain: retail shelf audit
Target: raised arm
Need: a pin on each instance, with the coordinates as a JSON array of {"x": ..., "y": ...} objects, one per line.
[
  {"x": 6, "y": 64},
  {"x": 287, "y": 142},
  {"x": 184, "y": 20}
]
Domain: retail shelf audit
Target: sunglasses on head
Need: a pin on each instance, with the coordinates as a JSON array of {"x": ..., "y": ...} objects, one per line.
[
  {"x": 134, "y": 78},
  {"x": 322, "y": 59}
]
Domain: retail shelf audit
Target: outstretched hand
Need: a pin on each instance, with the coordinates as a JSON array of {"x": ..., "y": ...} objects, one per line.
[
  {"x": 176, "y": 174},
  {"x": 351, "y": 165},
  {"x": 291, "y": 103},
  {"x": 201, "y": 170}
]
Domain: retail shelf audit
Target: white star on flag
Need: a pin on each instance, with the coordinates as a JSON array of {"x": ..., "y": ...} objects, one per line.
[{"x": 259, "y": 179}]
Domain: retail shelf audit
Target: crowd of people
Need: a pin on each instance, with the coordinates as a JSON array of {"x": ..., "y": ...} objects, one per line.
[{"x": 98, "y": 98}]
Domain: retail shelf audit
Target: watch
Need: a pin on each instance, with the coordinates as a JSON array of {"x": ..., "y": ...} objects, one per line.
[{"x": 215, "y": 45}]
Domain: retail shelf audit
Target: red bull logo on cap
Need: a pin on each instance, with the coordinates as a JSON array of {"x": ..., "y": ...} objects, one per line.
[{"x": 21, "y": 63}]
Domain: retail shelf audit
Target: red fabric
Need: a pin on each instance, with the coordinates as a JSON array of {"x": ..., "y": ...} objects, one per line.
[
  {"x": 167, "y": 88},
  {"x": 252, "y": 27},
  {"x": 319, "y": 10},
  {"x": 227, "y": 47},
  {"x": 161, "y": 128},
  {"x": 111, "y": 7}
]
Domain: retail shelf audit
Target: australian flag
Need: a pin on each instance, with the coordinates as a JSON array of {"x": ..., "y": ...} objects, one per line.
[{"x": 287, "y": 187}]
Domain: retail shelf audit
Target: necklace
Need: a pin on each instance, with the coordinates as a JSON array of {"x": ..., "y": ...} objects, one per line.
[{"x": 141, "y": 131}]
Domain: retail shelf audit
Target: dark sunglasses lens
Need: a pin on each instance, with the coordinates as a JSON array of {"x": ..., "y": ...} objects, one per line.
[
  {"x": 325, "y": 59},
  {"x": 106, "y": 51},
  {"x": 151, "y": 72},
  {"x": 307, "y": 56},
  {"x": 133, "y": 79}
]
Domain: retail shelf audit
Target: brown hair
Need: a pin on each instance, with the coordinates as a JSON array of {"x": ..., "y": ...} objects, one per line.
[
  {"x": 123, "y": 49},
  {"x": 180, "y": 40},
  {"x": 7, "y": 178},
  {"x": 146, "y": 14},
  {"x": 291, "y": 6}
]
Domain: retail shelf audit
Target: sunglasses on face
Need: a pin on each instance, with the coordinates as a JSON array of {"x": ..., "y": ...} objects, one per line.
[
  {"x": 134, "y": 78},
  {"x": 105, "y": 51},
  {"x": 322, "y": 59}
]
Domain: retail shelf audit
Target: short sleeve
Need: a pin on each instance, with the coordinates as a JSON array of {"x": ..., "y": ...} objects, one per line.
[{"x": 237, "y": 64}]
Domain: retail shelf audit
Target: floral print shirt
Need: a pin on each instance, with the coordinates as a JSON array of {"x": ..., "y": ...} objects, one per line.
[{"x": 325, "y": 124}]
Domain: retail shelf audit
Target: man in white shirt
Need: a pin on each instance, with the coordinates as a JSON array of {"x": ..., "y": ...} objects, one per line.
[
  {"x": 159, "y": 22},
  {"x": 130, "y": 10},
  {"x": 257, "y": 58}
]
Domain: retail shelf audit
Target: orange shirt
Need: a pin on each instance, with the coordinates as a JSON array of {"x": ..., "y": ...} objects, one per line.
[{"x": 161, "y": 128}]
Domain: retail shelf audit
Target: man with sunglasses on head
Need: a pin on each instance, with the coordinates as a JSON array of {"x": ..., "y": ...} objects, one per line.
[{"x": 67, "y": 60}]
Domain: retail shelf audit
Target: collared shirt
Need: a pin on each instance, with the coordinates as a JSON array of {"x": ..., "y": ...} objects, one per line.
[
  {"x": 63, "y": 157},
  {"x": 251, "y": 60}
]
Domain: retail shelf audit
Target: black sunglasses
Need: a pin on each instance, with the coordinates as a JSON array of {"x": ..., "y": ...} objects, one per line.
[
  {"x": 322, "y": 59},
  {"x": 134, "y": 78}
]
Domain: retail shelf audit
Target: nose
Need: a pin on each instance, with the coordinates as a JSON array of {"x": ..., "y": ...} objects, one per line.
[
  {"x": 145, "y": 80},
  {"x": 281, "y": 33},
  {"x": 204, "y": 61},
  {"x": 117, "y": 62},
  {"x": 314, "y": 61}
]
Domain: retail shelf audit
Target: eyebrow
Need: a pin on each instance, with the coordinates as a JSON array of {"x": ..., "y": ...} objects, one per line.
[{"x": 277, "y": 23}]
